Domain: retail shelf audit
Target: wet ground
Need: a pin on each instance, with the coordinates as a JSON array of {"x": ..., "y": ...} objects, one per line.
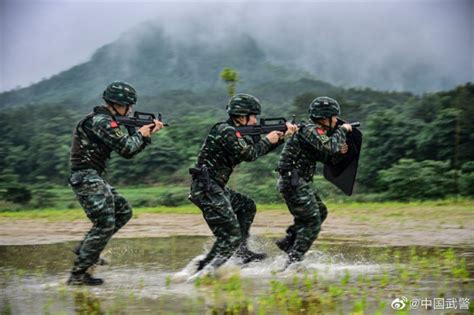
[
  {"x": 392, "y": 227},
  {"x": 148, "y": 276}
]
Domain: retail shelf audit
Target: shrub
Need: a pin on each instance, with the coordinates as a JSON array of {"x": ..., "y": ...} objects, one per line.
[
  {"x": 409, "y": 179},
  {"x": 18, "y": 194}
]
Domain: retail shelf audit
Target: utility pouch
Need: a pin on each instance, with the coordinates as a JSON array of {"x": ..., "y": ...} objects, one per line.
[
  {"x": 76, "y": 179},
  {"x": 202, "y": 175},
  {"x": 295, "y": 178}
]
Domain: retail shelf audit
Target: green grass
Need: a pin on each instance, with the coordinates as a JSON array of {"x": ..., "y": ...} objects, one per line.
[
  {"x": 449, "y": 211},
  {"x": 78, "y": 214},
  {"x": 446, "y": 211},
  {"x": 62, "y": 206},
  {"x": 63, "y": 197}
]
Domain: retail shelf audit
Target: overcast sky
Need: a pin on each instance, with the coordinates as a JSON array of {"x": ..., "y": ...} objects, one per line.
[{"x": 41, "y": 38}]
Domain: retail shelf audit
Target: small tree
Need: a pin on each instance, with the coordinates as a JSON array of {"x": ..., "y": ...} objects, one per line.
[{"x": 230, "y": 77}]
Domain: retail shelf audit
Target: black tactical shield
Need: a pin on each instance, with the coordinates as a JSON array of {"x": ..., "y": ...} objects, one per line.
[{"x": 343, "y": 174}]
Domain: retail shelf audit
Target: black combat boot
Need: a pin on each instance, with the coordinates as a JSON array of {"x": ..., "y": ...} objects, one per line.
[
  {"x": 83, "y": 278},
  {"x": 292, "y": 259},
  {"x": 100, "y": 262},
  {"x": 201, "y": 264},
  {"x": 287, "y": 242},
  {"x": 247, "y": 255}
]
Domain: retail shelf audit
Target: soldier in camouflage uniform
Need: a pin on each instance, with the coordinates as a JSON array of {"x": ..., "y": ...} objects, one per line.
[
  {"x": 95, "y": 137},
  {"x": 319, "y": 141},
  {"x": 229, "y": 214}
]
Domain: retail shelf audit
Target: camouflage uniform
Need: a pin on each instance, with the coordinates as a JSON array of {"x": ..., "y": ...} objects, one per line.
[
  {"x": 95, "y": 137},
  {"x": 297, "y": 166},
  {"x": 229, "y": 214}
]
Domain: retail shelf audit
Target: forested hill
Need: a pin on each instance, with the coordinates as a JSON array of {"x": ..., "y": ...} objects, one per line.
[
  {"x": 415, "y": 146},
  {"x": 155, "y": 62}
]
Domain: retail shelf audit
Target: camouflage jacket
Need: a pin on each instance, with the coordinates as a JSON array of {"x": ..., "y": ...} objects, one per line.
[
  {"x": 225, "y": 148},
  {"x": 309, "y": 145},
  {"x": 96, "y": 136}
]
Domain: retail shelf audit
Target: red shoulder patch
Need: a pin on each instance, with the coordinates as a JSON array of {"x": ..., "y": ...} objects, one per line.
[
  {"x": 237, "y": 133},
  {"x": 320, "y": 131},
  {"x": 114, "y": 124}
]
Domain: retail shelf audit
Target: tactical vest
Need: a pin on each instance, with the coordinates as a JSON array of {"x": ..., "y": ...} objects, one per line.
[
  {"x": 298, "y": 154},
  {"x": 87, "y": 150},
  {"x": 220, "y": 164}
]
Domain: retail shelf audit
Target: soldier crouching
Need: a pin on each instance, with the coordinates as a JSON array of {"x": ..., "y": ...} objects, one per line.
[
  {"x": 229, "y": 214},
  {"x": 319, "y": 141},
  {"x": 95, "y": 137}
]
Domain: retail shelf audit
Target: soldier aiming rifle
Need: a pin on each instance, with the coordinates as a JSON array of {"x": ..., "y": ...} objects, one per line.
[
  {"x": 95, "y": 137},
  {"x": 323, "y": 140},
  {"x": 229, "y": 214}
]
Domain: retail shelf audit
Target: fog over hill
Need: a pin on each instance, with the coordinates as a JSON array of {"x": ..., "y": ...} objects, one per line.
[
  {"x": 407, "y": 46},
  {"x": 155, "y": 62}
]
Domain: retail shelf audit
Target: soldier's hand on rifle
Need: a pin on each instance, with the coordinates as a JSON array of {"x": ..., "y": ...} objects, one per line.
[
  {"x": 348, "y": 127},
  {"x": 158, "y": 125},
  {"x": 150, "y": 129},
  {"x": 344, "y": 148},
  {"x": 291, "y": 129},
  {"x": 274, "y": 136}
]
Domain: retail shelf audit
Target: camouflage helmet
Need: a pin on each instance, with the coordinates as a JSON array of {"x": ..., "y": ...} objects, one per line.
[
  {"x": 243, "y": 105},
  {"x": 121, "y": 93},
  {"x": 323, "y": 107}
]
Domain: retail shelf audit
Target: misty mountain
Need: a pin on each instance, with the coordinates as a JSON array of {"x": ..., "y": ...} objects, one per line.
[
  {"x": 154, "y": 63},
  {"x": 162, "y": 64}
]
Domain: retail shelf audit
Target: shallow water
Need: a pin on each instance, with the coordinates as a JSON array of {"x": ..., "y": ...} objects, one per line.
[{"x": 149, "y": 276}]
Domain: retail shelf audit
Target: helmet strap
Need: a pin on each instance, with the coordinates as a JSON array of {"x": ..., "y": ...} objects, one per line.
[
  {"x": 328, "y": 127},
  {"x": 237, "y": 120},
  {"x": 331, "y": 128},
  {"x": 247, "y": 120},
  {"x": 115, "y": 109},
  {"x": 320, "y": 121},
  {"x": 117, "y": 112}
]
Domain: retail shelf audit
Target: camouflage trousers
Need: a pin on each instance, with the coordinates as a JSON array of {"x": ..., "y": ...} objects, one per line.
[
  {"x": 308, "y": 211},
  {"x": 228, "y": 214},
  {"x": 105, "y": 208}
]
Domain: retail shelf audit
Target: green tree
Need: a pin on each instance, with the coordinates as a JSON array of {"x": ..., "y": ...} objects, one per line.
[
  {"x": 388, "y": 137},
  {"x": 230, "y": 77},
  {"x": 437, "y": 139}
]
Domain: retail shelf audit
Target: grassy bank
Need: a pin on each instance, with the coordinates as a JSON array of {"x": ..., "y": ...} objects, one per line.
[{"x": 456, "y": 212}]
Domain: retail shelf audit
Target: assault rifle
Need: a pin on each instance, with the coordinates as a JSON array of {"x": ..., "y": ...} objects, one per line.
[
  {"x": 268, "y": 125},
  {"x": 138, "y": 119},
  {"x": 265, "y": 126}
]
